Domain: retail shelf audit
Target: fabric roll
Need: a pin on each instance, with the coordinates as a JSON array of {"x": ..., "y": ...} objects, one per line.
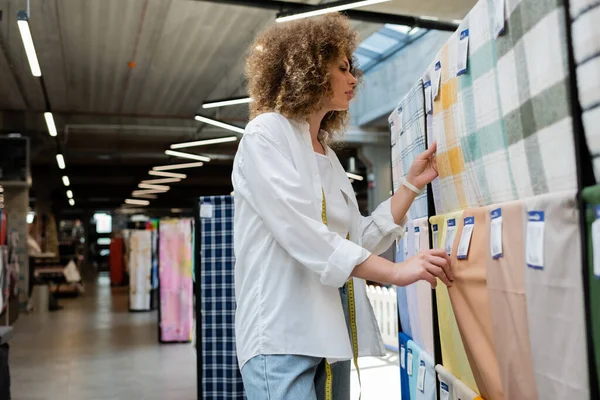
[
  {"x": 412, "y": 291},
  {"x": 404, "y": 381},
  {"x": 463, "y": 392},
  {"x": 424, "y": 294},
  {"x": 508, "y": 305},
  {"x": 555, "y": 304},
  {"x": 447, "y": 382},
  {"x": 429, "y": 381},
  {"x": 592, "y": 197},
  {"x": 140, "y": 267},
  {"x": 454, "y": 356},
  {"x": 585, "y": 15},
  {"x": 401, "y": 292},
  {"x": 413, "y": 348},
  {"x": 470, "y": 301}
]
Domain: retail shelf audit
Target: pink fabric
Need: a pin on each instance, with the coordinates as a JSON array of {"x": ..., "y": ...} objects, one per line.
[{"x": 176, "y": 286}]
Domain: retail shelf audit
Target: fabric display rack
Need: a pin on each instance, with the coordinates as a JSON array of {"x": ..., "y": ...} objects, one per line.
[
  {"x": 176, "y": 295},
  {"x": 219, "y": 375},
  {"x": 513, "y": 102}
]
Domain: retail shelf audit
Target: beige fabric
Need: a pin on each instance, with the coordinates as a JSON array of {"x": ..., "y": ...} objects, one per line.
[
  {"x": 506, "y": 289},
  {"x": 470, "y": 301}
]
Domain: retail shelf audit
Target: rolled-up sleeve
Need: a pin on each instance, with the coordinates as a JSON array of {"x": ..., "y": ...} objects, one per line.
[
  {"x": 380, "y": 230},
  {"x": 266, "y": 176}
]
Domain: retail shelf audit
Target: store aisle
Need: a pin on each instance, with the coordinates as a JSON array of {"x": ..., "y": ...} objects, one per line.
[{"x": 95, "y": 349}]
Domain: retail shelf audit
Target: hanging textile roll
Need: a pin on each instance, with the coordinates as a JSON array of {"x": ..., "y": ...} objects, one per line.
[
  {"x": 412, "y": 367},
  {"x": 401, "y": 291},
  {"x": 404, "y": 379},
  {"x": 423, "y": 288},
  {"x": 454, "y": 355},
  {"x": 506, "y": 289},
  {"x": 140, "y": 270},
  {"x": 554, "y": 292},
  {"x": 412, "y": 294},
  {"x": 447, "y": 382},
  {"x": 470, "y": 301},
  {"x": 426, "y": 377},
  {"x": 462, "y": 392}
]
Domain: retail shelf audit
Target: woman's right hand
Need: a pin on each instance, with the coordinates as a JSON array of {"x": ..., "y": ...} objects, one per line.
[{"x": 427, "y": 265}]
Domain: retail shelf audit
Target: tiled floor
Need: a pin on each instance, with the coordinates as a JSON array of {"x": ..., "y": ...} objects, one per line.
[{"x": 95, "y": 349}]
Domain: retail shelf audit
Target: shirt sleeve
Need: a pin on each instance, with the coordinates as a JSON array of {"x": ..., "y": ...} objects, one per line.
[
  {"x": 380, "y": 230},
  {"x": 266, "y": 176}
]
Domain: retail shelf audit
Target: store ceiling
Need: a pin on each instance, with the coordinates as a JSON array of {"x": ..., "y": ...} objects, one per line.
[{"x": 125, "y": 78}]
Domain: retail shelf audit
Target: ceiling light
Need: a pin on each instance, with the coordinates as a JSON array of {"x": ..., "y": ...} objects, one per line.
[
  {"x": 186, "y": 155},
  {"x": 326, "y": 10},
  {"x": 61, "y": 161},
  {"x": 178, "y": 166},
  {"x": 413, "y": 31},
  {"x": 428, "y": 18},
  {"x": 457, "y": 21},
  {"x": 176, "y": 210},
  {"x": 71, "y": 202},
  {"x": 145, "y": 196},
  {"x": 50, "y": 123},
  {"x": 354, "y": 176},
  {"x": 228, "y": 102},
  {"x": 220, "y": 124},
  {"x": 23, "y": 24},
  {"x": 69, "y": 194},
  {"x": 153, "y": 187},
  {"x": 66, "y": 181},
  {"x": 137, "y": 193},
  {"x": 164, "y": 180},
  {"x": 204, "y": 142},
  {"x": 137, "y": 202},
  {"x": 167, "y": 174}
]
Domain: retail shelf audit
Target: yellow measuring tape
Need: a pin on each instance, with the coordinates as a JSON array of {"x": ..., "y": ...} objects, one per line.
[{"x": 353, "y": 329}]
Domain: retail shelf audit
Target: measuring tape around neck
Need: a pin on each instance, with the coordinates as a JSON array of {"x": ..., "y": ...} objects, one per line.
[{"x": 352, "y": 314}]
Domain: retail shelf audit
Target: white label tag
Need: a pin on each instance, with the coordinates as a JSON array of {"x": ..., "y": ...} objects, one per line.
[
  {"x": 499, "y": 17},
  {"x": 417, "y": 241},
  {"x": 409, "y": 360},
  {"x": 206, "y": 210},
  {"x": 465, "y": 238},
  {"x": 437, "y": 79},
  {"x": 428, "y": 98},
  {"x": 596, "y": 242},
  {"x": 463, "y": 52},
  {"x": 400, "y": 121},
  {"x": 434, "y": 229},
  {"x": 444, "y": 391},
  {"x": 450, "y": 233},
  {"x": 403, "y": 357},
  {"x": 496, "y": 233},
  {"x": 535, "y": 240},
  {"x": 405, "y": 242},
  {"x": 421, "y": 377}
]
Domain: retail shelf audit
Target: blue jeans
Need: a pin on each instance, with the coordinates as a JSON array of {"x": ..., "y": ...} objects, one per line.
[{"x": 295, "y": 377}]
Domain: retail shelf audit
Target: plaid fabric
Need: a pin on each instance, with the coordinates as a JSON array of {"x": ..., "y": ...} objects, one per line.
[
  {"x": 585, "y": 17},
  {"x": 221, "y": 378},
  {"x": 407, "y": 123}
]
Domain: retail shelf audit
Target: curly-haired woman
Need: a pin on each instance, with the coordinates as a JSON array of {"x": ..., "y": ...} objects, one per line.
[{"x": 292, "y": 268}]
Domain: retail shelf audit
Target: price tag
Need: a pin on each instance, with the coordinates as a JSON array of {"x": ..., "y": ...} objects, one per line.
[
  {"x": 409, "y": 360},
  {"x": 534, "y": 253},
  {"x": 463, "y": 52},
  {"x": 206, "y": 210},
  {"x": 437, "y": 79},
  {"x": 465, "y": 238},
  {"x": 428, "y": 98},
  {"x": 499, "y": 17},
  {"x": 444, "y": 391},
  {"x": 405, "y": 242},
  {"x": 417, "y": 241},
  {"x": 496, "y": 233},
  {"x": 421, "y": 377},
  {"x": 596, "y": 242},
  {"x": 402, "y": 356},
  {"x": 450, "y": 233},
  {"x": 434, "y": 229}
]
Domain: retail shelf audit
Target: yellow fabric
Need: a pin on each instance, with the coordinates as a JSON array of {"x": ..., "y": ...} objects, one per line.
[{"x": 454, "y": 355}]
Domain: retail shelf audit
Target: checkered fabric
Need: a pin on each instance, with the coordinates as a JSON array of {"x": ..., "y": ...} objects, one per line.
[
  {"x": 221, "y": 378},
  {"x": 585, "y": 17},
  {"x": 407, "y": 123}
]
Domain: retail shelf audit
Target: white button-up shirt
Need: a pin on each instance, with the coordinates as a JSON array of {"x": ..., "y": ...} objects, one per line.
[{"x": 289, "y": 266}]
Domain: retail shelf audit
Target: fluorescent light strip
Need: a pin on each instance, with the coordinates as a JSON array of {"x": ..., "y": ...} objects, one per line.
[
  {"x": 69, "y": 194},
  {"x": 178, "y": 166},
  {"x": 164, "y": 180},
  {"x": 29, "y": 47},
  {"x": 50, "y": 124},
  {"x": 153, "y": 187},
  {"x": 219, "y": 124},
  {"x": 328, "y": 10},
  {"x": 225, "y": 103},
  {"x": 136, "y": 193},
  {"x": 354, "y": 176},
  {"x": 146, "y": 196},
  {"x": 61, "y": 161},
  {"x": 167, "y": 174},
  {"x": 204, "y": 142},
  {"x": 71, "y": 202},
  {"x": 66, "y": 181},
  {"x": 186, "y": 155},
  {"x": 137, "y": 202},
  {"x": 428, "y": 18}
]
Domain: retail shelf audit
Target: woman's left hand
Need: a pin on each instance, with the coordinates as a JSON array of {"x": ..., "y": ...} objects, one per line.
[{"x": 424, "y": 169}]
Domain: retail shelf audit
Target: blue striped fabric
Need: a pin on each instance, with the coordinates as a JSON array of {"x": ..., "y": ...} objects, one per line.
[{"x": 221, "y": 378}]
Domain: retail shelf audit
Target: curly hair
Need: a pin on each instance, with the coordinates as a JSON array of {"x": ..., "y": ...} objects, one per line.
[{"x": 287, "y": 68}]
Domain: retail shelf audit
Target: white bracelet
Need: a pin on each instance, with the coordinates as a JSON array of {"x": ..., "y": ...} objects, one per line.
[{"x": 412, "y": 187}]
